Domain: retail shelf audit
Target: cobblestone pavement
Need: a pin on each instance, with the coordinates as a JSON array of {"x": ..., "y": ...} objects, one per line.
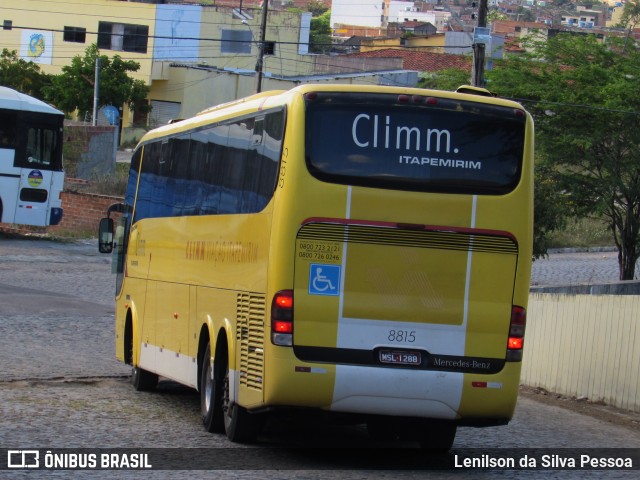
[
  {"x": 574, "y": 268},
  {"x": 61, "y": 387},
  {"x": 73, "y": 269}
]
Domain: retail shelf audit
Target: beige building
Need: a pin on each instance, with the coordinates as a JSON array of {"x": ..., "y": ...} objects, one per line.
[
  {"x": 616, "y": 9},
  {"x": 158, "y": 36}
]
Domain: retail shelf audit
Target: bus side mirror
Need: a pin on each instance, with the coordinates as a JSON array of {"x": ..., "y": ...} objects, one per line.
[{"x": 105, "y": 235}]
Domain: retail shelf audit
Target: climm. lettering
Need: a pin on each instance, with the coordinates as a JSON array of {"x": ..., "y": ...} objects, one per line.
[{"x": 372, "y": 134}]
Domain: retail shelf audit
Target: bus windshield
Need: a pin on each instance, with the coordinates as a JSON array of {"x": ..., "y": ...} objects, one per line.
[{"x": 420, "y": 144}]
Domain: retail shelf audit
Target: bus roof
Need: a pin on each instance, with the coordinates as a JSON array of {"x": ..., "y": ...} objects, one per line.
[{"x": 13, "y": 100}]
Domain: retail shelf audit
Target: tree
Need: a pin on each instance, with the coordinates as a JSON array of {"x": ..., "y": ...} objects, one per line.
[
  {"x": 316, "y": 7},
  {"x": 21, "y": 75},
  {"x": 320, "y": 35},
  {"x": 494, "y": 15},
  {"x": 74, "y": 88},
  {"x": 585, "y": 98},
  {"x": 447, "y": 79},
  {"x": 631, "y": 14},
  {"x": 549, "y": 209},
  {"x": 630, "y": 18}
]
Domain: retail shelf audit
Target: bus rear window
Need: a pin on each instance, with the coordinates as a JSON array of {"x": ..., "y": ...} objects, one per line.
[{"x": 419, "y": 143}]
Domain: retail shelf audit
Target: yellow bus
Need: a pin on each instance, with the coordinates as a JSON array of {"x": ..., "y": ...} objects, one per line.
[{"x": 354, "y": 250}]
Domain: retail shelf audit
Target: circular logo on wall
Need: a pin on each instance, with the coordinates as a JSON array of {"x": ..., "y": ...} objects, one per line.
[
  {"x": 35, "y": 178},
  {"x": 36, "y": 45}
]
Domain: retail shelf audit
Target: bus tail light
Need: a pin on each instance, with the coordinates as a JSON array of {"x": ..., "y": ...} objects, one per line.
[
  {"x": 282, "y": 318},
  {"x": 516, "y": 334}
]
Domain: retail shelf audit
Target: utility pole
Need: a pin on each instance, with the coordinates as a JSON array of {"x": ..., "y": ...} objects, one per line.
[
  {"x": 477, "y": 71},
  {"x": 96, "y": 92},
  {"x": 263, "y": 32}
]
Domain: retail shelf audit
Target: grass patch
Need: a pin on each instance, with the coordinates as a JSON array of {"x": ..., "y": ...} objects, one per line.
[
  {"x": 113, "y": 184},
  {"x": 584, "y": 232}
]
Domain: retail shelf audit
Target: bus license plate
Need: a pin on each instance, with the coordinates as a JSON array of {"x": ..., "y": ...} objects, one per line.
[{"x": 399, "y": 358}]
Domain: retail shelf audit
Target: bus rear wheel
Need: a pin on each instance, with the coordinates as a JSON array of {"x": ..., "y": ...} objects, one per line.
[
  {"x": 239, "y": 425},
  {"x": 211, "y": 387},
  {"x": 142, "y": 380},
  {"x": 437, "y": 436}
]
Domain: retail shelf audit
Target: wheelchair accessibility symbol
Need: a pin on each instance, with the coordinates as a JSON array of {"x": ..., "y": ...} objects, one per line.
[{"x": 324, "y": 279}]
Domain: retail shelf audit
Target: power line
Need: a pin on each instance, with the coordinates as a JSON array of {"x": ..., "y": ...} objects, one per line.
[{"x": 220, "y": 40}]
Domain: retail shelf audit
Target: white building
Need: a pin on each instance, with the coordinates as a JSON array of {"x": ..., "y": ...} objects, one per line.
[
  {"x": 364, "y": 13},
  {"x": 378, "y": 13},
  {"x": 436, "y": 18}
]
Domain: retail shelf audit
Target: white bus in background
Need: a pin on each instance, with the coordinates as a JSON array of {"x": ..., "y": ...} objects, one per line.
[{"x": 31, "y": 175}]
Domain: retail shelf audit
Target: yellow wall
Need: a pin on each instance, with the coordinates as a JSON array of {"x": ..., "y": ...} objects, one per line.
[
  {"x": 428, "y": 43},
  {"x": 418, "y": 43},
  {"x": 376, "y": 43},
  {"x": 37, "y": 15},
  {"x": 616, "y": 16}
]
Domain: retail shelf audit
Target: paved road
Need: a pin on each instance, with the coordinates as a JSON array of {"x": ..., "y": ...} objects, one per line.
[{"x": 61, "y": 387}]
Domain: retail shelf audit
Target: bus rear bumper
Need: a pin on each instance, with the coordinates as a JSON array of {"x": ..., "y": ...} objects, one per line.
[
  {"x": 463, "y": 398},
  {"x": 392, "y": 391}
]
